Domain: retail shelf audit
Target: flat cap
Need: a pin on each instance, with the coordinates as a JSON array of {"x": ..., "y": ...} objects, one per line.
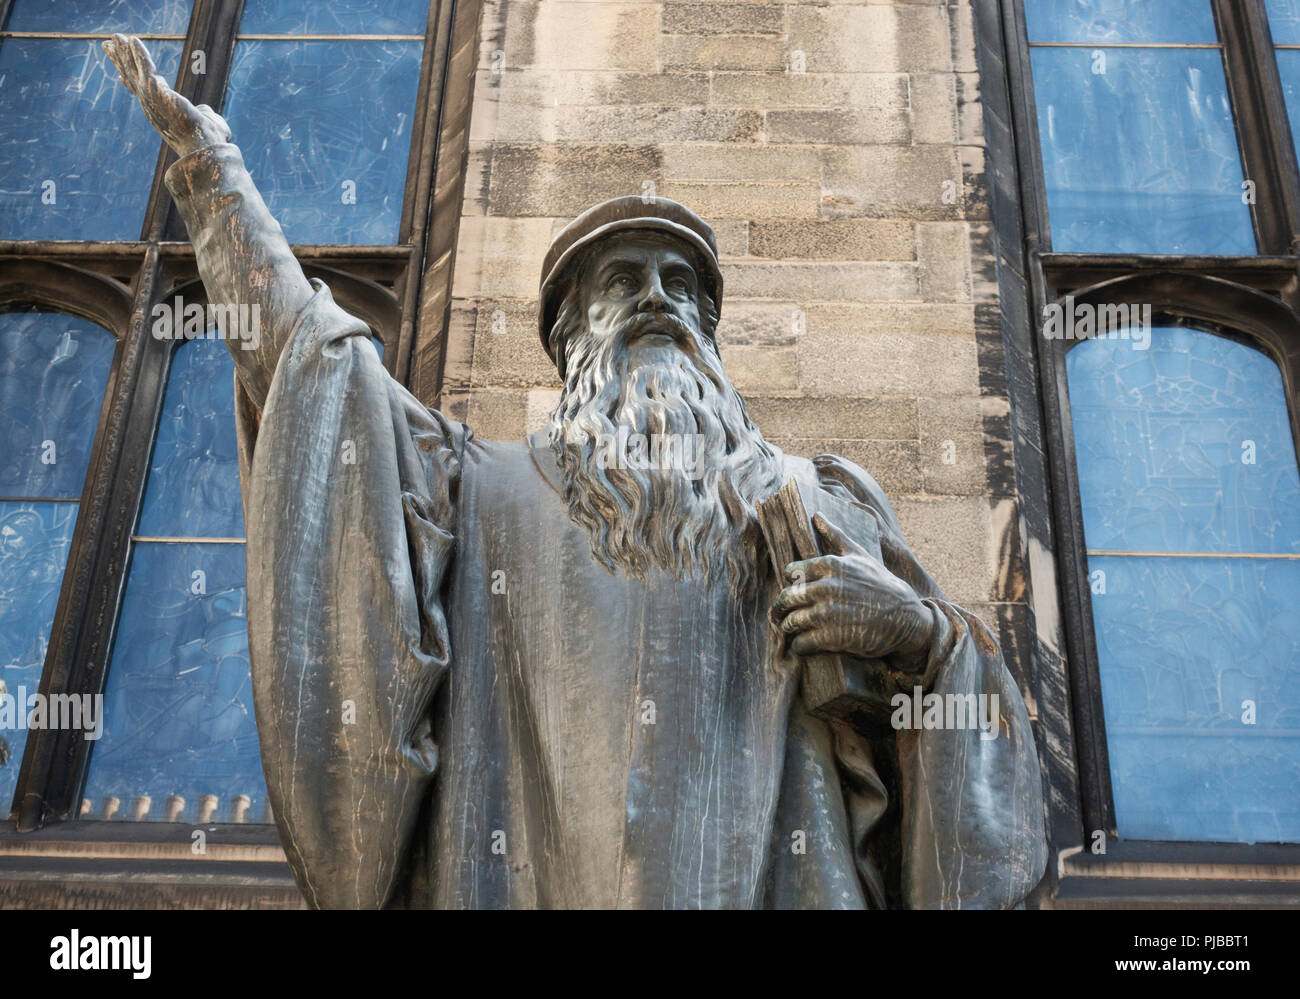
[{"x": 621, "y": 215}]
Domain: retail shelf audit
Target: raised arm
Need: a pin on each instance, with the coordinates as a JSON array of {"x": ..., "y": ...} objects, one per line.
[
  {"x": 242, "y": 254},
  {"x": 349, "y": 506}
]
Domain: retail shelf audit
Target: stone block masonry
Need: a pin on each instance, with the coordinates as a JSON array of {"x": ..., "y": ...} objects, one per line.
[{"x": 838, "y": 150}]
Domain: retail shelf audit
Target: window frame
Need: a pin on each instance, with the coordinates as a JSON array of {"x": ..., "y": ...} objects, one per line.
[
  {"x": 116, "y": 284},
  {"x": 1255, "y": 298}
]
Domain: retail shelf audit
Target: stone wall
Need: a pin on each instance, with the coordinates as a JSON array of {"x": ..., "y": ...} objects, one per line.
[{"x": 837, "y": 149}]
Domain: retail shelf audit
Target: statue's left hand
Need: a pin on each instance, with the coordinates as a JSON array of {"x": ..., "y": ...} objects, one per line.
[
  {"x": 848, "y": 601},
  {"x": 183, "y": 126}
]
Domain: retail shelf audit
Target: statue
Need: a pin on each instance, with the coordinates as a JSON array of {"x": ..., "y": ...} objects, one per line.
[{"x": 560, "y": 672}]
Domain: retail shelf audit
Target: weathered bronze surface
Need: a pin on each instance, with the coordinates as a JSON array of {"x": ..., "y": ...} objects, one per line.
[{"x": 560, "y": 672}]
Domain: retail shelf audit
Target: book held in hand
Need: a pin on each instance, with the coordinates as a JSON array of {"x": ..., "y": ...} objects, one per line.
[{"x": 836, "y": 685}]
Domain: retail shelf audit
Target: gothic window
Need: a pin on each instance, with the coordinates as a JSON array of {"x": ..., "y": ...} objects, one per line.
[
  {"x": 1191, "y": 515},
  {"x": 1161, "y": 213},
  {"x": 179, "y": 738},
  {"x": 123, "y": 576},
  {"x": 53, "y": 373}
]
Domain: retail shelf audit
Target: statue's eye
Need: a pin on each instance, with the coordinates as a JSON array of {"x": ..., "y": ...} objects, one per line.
[
  {"x": 622, "y": 282},
  {"x": 678, "y": 284}
]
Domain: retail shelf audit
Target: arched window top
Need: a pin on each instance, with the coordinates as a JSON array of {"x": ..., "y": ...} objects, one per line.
[
  {"x": 54, "y": 369},
  {"x": 1183, "y": 446},
  {"x": 367, "y": 300}
]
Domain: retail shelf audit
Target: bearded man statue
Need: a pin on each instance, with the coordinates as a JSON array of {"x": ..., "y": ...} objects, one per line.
[{"x": 560, "y": 672}]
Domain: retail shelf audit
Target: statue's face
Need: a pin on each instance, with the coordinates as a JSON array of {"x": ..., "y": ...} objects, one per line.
[
  {"x": 642, "y": 274},
  {"x": 639, "y": 367}
]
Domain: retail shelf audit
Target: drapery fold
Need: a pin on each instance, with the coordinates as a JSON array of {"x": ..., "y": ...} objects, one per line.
[
  {"x": 350, "y": 492},
  {"x": 965, "y": 818}
]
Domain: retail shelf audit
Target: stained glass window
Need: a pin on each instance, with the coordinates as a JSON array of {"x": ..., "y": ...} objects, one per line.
[
  {"x": 180, "y": 739},
  {"x": 53, "y": 372},
  {"x": 1135, "y": 125},
  {"x": 73, "y": 142},
  {"x": 321, "y": 100},
  {"x": 1191, "y": 509}
]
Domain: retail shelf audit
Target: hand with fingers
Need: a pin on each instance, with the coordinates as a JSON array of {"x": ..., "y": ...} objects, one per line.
[
  {"x": 184, "y": 127},
  {"x": 847, "y": 601}
]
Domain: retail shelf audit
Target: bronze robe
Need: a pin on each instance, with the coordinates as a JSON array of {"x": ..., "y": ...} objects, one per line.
[{"x": 458, "y": 707}]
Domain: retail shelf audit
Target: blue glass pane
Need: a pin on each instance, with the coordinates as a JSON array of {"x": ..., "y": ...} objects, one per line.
[
  {"x": 1288, "y": 66},
  {"x": 155, "y": 17},
  {"x": 1141, "y": 158},
  {"x": 53, "y": 372},
  {"x": 340, "y": 17},
  {"x": 1183, "y": 644},
  {"x": 74, "y": 144},
  {"x": 1120, "y": 21},
  {"x": 193, "y": 486},
  {"x": 326, "y": 129},
  {"x": 1185, "y": 446},
  {"x": 179, "y": 705},
  {"x": 34, "y": 543},
  {"x": 1284, "y": 21}
]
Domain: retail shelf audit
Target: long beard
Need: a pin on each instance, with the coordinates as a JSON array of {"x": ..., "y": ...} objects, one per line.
[{"x": 689, "y": 506}]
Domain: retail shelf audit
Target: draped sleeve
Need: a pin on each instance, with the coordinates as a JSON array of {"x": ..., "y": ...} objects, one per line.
[
  {"x": 351, "y": 505},
  {"x": 349, "y": 489},
  {"x": 970, "y": 827}
]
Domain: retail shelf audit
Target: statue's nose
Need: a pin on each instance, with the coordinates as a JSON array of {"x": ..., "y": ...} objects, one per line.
[{"x": 653, "y": 298}]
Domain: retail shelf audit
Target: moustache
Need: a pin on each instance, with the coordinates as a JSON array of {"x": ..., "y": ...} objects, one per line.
[{"x": 643, "y": 323}]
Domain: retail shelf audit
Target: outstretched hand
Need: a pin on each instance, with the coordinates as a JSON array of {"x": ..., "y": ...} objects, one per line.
[{"x": 184, "y": 127}]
